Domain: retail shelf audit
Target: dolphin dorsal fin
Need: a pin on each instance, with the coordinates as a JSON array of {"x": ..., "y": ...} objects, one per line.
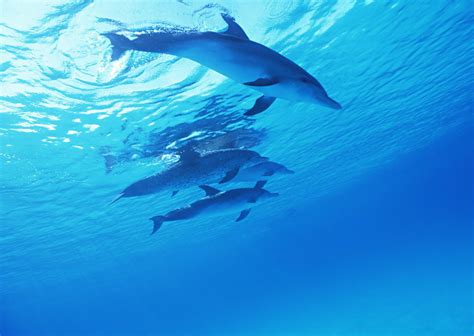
[
  {"x": 260, "y": 184},
  {"x": 234, "y": 29},
  {"x": 210, "y": 191}
]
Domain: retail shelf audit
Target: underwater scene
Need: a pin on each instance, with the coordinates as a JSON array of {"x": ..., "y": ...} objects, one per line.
[{"x": 236, "y": 167}]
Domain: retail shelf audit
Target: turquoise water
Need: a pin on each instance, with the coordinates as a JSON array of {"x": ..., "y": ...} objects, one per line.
[{"x": 372, "y": 234}]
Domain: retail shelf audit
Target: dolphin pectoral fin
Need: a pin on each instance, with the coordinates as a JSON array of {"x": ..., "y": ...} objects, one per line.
[
  {"x": 229, "y": 176},
  {"x": 260, "y": 184},
  {"x": 210, "y": 191},
  {"x": 234, "y": 29},
  {"x": 261, "y": 104},
  {"x": 263, "y": 82},
  {"x": 174, "y": 193},
  {"x": 157, "y": 222},
  {"x": 268, "y": 173},
  {"x": 243, "y": 215}
]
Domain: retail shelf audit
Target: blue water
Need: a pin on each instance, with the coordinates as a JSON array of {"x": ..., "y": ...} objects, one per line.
[{"x": 372, "y": 235}]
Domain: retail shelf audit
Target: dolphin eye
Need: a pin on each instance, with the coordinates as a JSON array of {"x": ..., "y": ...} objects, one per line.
[{"x": 305, "y": 80}]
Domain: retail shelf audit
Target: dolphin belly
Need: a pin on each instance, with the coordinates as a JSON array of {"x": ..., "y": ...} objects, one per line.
[
  {"x": 230, "y": 56},
  {"x": 183, "y": 214},
  {"x": 244, "y": 61},
  {"x": 207, "y": 207}
]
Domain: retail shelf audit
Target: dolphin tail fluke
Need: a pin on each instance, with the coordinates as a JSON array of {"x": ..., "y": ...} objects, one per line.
[
  {"x": 119, "y": 196},
  {"x": 120, "y": 44},
  {"x": 157, "y": 222}
]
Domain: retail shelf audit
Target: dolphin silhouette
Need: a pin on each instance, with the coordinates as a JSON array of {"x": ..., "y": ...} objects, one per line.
[
  {"x": 217, "y": 202},
  {"x": 232, "y": 54},
  {"x": 261, "y": 170},
  {"x": 194, "y": 169}
]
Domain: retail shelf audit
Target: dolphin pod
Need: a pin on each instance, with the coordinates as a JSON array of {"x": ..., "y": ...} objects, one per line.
[
  {"x": 217, "y": 202},
  {"x": 234, "y": 55},
  {"x": 195, "y": 169}
]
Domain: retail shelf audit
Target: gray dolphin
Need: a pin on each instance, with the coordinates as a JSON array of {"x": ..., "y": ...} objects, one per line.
[
  {"x": 261, "y": 170},
  {"x": 194, "y": 169},
  {"x": 217, "y": 202},
  {"x": 232, "y": 54}
]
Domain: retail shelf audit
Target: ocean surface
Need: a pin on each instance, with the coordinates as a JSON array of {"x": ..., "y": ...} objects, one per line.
[{"x": 371, "y": 235}]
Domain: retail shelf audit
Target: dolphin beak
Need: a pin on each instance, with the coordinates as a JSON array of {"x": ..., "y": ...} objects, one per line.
[{"x": 329, "y": 102}]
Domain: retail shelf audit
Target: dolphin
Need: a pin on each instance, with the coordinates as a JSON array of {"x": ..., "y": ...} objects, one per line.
[
  {"x": 261, "y": 170},
  {"x": 217, "y": 202},
  {"x": 194, "y": 169},
  {"x": 235, "y": 56}
]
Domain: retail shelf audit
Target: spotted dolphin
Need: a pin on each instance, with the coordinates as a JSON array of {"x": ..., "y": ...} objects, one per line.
[
  {"x": 217, "y": 202},
  {"x": 234, "y": 55},
  {"x": 194, "y": 169},
  {"x": 261, "y": 170}
]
